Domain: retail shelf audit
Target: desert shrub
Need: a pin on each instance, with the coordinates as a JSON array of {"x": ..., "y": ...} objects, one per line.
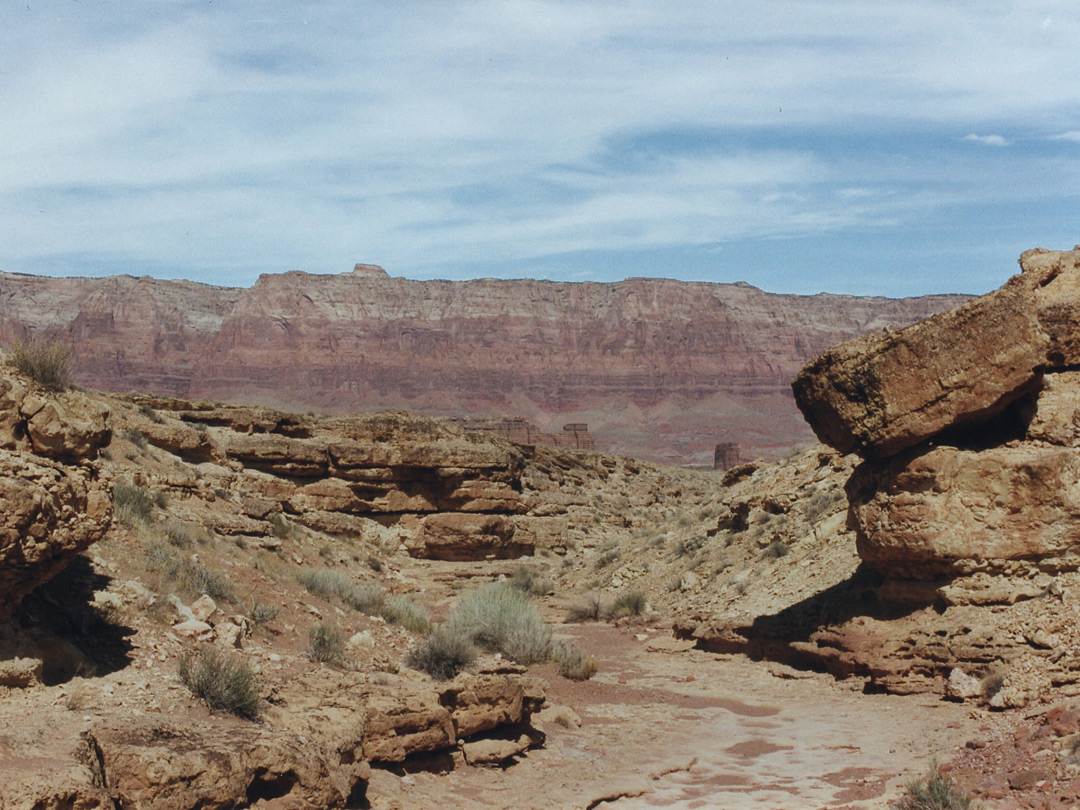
[
  {"x": 992, "y": 682},
  {"x": 500, "y": 618},
  {"x": 589, "y": 608},
  {"x": 374, "y": 563},
  {"x": 688, "y": 545},
  {"x": 281, "y": 525},
  {"x": 933, "y": 792},
  {"x": 326, "y": 644},
  {"x": 775, "y": 550},
  {"x": 628, "y": 603},
  {"x": 326, "y": 582},
  {"x": 443, "y": 654},
  {"x": 136, "y": 437},
  {"x": 260, "y": 612},
  {"x": 573, "y": 662},
  {"x": 365, "y": 597},
  {"x": 132, "y": 503},
  {"x": 183, "y": 535},
  {"x": 529, "y": 581},
  {"x": 403, "y": 611},
  {"x": 151, "y": 414},
  {"x": 224, "y": 682},
  {"x": 191, "y": 577},
  {"x": 47, "y": 364},
  {"x": 608, "y": 557}
]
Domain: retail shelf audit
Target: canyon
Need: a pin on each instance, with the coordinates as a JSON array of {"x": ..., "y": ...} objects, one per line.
[{"x": 656, "y": 369}]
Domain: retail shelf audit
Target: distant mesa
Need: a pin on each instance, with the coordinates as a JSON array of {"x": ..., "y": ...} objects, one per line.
[{"x": 370, "y": 271}]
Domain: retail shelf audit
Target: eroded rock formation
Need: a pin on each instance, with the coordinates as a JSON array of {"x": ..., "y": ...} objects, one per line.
[
  {"x": 659, "y": 369},
  {"x": 54, "y": 504}
]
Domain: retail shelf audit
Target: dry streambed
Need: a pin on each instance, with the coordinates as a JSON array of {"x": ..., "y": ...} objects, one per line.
[{"x": 667, "y": 726}]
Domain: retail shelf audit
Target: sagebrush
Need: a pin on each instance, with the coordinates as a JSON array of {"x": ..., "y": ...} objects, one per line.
[{"x": 224, "y": 682}]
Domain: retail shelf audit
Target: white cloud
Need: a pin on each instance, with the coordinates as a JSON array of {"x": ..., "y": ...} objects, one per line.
[
  {"x": 987, "y": 140},
  {"x": 411, "y": 133},
  {"x": 1073, "y": 135}
]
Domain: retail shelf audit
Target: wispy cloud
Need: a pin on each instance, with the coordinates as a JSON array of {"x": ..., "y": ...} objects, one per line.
[
  {"x": 221, "y": 141},
  {"x": 987, "y": 140},
  {"x": 1073, "y": 135}
]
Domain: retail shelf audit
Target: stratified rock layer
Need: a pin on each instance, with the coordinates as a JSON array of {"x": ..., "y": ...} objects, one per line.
[{"x": 658, "y": 369}]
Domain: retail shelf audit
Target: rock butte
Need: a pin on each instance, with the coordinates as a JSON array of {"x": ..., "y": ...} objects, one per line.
[{"x": 658, "y": 369}]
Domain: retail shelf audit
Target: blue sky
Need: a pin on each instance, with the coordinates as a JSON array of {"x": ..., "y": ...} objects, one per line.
[{"x": 844, "y": 146}]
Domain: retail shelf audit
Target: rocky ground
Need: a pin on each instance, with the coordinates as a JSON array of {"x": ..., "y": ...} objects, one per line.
[{"x": 809, "y": 632}]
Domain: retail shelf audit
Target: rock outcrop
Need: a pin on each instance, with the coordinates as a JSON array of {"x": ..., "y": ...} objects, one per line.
[
  {"x": 967, "y": 504},
  {"x": 54, "y": 504},
  {"x": 659, "y": 369},
  {"x": 971, "y": 468}
]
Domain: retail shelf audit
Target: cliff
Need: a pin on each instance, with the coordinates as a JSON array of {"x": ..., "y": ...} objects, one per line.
[{"x": 659, "y": 369}]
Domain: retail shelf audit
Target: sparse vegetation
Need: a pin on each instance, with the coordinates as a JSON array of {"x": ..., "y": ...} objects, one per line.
[
  {"x": 992, "y": 682},
  {"x": 375, "y": 564},
  {"x": 403, "y": 611},
  {"x": 132, "y": 503},
  {"x": 260, "y": 612},
  {"x": 136, "y": 437},
  {"x": 590, "y": 608},
  {"x": 775, "y": 550},
  {"x": 326, "y": 644},
  {"x": 443, "y": 654},
  {"x": 366, "y": 598},
  {"x": 224, "y": 682},
  {"x": 573, "y": 662},
  {"x": 191, "y": 577},
  {"x": 47, "y": 364},
  {"x": 608, "y": 557},
  {"x": 281, "y": 525},
  {"x": 500, "y": 618},
  {"x": 933, "y": 792},
  {"x": 628, "y": 603},
  {"x": 529, "y": 581}
]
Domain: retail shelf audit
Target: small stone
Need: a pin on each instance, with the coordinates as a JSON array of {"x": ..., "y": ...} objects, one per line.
[{"x": 203, "y": 608}]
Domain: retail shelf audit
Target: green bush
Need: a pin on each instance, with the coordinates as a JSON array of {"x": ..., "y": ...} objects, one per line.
[
  {"x": 225, "y": 683},
  {"x": 47, "y": 364},
  {"x": 529, "y": 581},
  {"x": 500, "y": 618},
  {"x": 326, "y": 644},
  {"x": 443, "y": 654}
]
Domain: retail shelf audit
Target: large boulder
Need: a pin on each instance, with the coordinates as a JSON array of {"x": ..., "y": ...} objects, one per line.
[{"x": 882, "y": 394}]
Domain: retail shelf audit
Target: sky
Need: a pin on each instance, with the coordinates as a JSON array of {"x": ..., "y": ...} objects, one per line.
[{"x": 846, "y": 146}]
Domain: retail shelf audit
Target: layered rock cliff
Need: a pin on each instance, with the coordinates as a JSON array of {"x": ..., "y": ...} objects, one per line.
[{"x": 658, "y": 369}]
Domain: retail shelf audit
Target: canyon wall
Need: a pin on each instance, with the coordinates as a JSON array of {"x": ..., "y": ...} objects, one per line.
[{"x": 659, "y": 369}]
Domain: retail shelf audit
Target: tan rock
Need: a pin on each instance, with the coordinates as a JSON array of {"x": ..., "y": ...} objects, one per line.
[
  {"x": 881, "y": 394},
  {"x": 494, "y": 750},
  {"x": 203, "y": 608},
  {"x": 175, "y": 765},
  {"x": 464, "y": 536},
  {"x": 946, "y": 511},
  {"x": 50, "y": 513},
  {"x": 194, "y": 629},
  {"x": 961, "y": 686}
]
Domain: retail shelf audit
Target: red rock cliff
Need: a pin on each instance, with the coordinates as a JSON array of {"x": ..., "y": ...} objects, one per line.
[{"x": 659, "y": 369}]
